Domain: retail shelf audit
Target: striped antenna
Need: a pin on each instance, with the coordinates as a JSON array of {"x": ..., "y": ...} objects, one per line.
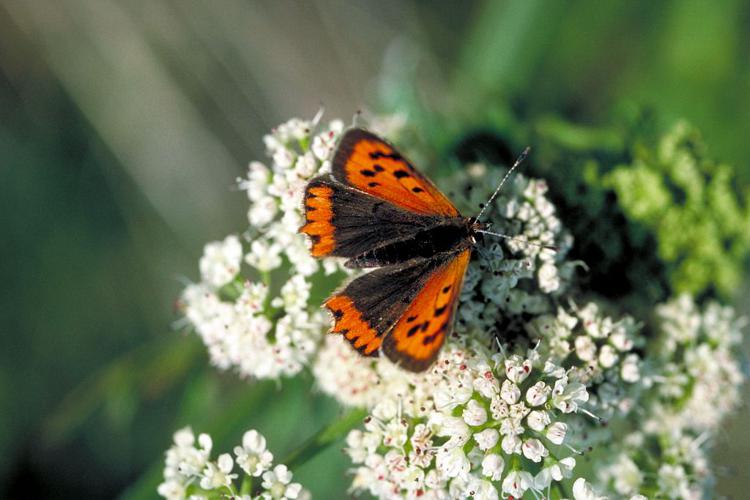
[{"x": 520, "y": 158}]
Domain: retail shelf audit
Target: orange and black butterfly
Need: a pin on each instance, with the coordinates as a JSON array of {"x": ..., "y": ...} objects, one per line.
[{"x": 378, "y": 211}]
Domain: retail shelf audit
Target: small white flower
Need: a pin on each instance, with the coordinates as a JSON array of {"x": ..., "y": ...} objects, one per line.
[
  {"x": 538, "y": 420},
  {"x": 534, "y": 450},
  {"x": 627, "y": 476},
  {"x": 517, "y": 482},
  {"x": 184, "y": 437},
  {"x": 486, "y": 439},
  {"x": 218, "y": 475},
  {"x": 492, "y": 466},
  {"x": 252, "y": 456},
  {"x": 549, "y": 280},
  {"x": 474, "y": 413},
  {"x": 585, "y": 348},
  {"x": 283, "y": 158},
  {"x": 556, "y": 471},
  {"x": 453, "y": 462},
  {"x": 499, "y": 408},
  {"x": 567, "y": 396},
  {"x": 480, "y": 489},
  {"x": 322, "y": 145},
  {"x": 517, "y": 369},
  {"x": 256, "y": 183},
  {"x": 262, "y": 211},
  {"x": 277, "y": 483},
  {"x": 630, "y": 370},
  {"x": 673, "y": 480},
  {"x": 511, "y": 444},
  {"x": 294, "y": 294},
  {"x": 306, "y": 165},
  {"x": 264, "y": 256},
  {"x": 582, "y": 490},
  {"x": 221, "y": 261},
  {"x": 607, "y": 356},
  {"x": 456, "y": 429},
  {"x": 537, "y": 394},
  {"x": 510, "y": 392},
  {"x": 171, "y": 490},
  {"x": 556, "y": 432}
]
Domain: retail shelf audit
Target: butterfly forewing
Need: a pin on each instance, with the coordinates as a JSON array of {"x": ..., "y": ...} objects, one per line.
[
  {"x": 344, "y": 222},
  {"x": 367, "y": 162}
]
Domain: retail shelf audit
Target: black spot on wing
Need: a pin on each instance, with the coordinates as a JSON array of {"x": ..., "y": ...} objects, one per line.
[
  {"x": 400, "y": 174},
  {"x": 367, "y": 173},
  {"x": 440, "y": 310},
  {"x": 379, "y": 154},
  {"x": 417, "y": 190},
  {"x": 430, "y": 339}
]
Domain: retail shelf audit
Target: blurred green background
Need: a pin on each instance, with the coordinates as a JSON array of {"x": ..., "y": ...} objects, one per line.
[{"x": 124, "y": 124}]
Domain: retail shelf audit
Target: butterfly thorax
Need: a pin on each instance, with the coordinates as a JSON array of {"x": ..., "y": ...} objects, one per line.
[{"x": 445, "y": 237}]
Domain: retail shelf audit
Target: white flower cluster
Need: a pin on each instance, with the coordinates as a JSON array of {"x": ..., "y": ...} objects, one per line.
[
  {"x": 600, "y": 350},
  {"x": 189, "y": 471},
  {"x": 475, "y": 424},
  {"x": 251, "y": 307},
  {"x": 700, "y": 376},
  {"x": 525, "y": 276},
  {"x": 693, "y": 382},
  {"x": 242, "y": 325}
]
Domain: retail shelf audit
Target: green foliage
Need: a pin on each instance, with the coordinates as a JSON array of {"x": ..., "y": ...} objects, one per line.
[
  {"x": 686, "y": 200},
  {"x": 651, "y": 212}
]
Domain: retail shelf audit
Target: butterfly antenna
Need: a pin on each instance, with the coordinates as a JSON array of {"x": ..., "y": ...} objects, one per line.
[
  {"x": 357, "y": 118},
  {"x": 520, "y": 159},
  {"x": 519, "y": 238}
]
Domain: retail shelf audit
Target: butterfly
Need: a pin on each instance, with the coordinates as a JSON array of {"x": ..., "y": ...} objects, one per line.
[{"x": 377, "y": 211}]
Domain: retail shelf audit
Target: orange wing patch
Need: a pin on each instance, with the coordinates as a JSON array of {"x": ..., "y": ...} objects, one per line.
[
  {"x": 370, "y": 164},
  {"x": 319, "y": 217},
  {"x": 349, "y": 322},
  {"x": 417, "y": 337}
]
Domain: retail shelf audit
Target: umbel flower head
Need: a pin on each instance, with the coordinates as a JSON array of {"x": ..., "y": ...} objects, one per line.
[
  {"x": 189, "y": 471},
  {"x": 243, "y": 325},
  {"x": 475, "y": 424},
  {"x": 536, "y": 373}
]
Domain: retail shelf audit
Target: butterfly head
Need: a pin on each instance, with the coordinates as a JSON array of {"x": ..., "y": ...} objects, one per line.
[{"x": 474, "y": 227}]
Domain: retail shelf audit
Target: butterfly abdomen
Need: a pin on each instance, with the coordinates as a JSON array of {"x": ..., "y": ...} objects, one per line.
[{"x": 448, "y": 237}]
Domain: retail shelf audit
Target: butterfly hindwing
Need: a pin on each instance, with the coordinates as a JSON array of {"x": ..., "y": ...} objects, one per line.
[
  {"x": 344, "y": 222},
  {"x": 368, "y": 163},
  {"x": 368, "y": 307},
  {"x": 415, "y": 340}
]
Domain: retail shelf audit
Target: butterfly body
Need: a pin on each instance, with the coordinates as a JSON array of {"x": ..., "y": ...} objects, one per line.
[{"x": 377, "y": 211}]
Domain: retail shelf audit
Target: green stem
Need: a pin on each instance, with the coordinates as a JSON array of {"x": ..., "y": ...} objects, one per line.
[
  {"x": 325, "y": 437},
  {"x": 246, "y": 486}
]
